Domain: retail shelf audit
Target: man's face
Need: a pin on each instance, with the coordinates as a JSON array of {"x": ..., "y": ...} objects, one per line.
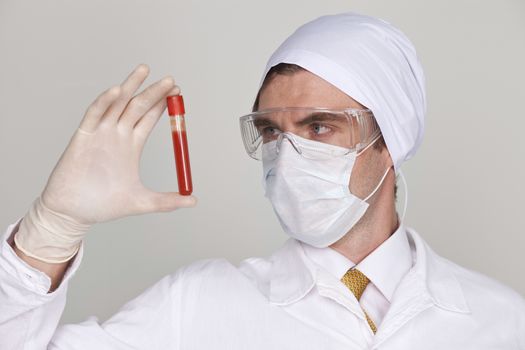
[{"x": 305, "y": 89}]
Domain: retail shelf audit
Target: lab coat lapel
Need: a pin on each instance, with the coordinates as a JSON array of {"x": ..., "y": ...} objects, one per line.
[
  {"x": 332, "y": 288},
  {"x": 410, "y": 299},
  {"x": 430, "y": 283}
]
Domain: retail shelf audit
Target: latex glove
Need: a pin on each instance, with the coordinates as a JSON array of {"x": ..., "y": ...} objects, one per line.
[{"x": 97, "y": 177}]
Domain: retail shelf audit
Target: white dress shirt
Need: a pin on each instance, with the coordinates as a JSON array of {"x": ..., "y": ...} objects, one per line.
[
  {"x": 285, "y": 301},
  {"x": 385, "y": 267}
]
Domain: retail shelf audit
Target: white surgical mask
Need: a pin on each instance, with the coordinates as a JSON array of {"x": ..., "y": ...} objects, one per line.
[{"x": 311, "y": 197}]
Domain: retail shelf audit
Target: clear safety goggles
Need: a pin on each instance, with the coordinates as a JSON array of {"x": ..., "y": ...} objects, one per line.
[{"x": 350, "y": 130}]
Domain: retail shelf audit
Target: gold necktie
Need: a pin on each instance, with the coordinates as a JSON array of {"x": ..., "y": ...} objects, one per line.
[{"x": 356, "y": 281}]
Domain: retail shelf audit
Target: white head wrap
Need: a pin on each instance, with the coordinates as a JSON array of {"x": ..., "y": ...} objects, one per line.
[{"x": 372, "y": 62}]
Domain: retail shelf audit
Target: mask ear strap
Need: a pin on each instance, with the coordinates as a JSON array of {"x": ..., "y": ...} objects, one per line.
[
  {"x": 368, "y": 146},
  {"x": 378, "y": 185},
  {"x": 405, "y": 187}
]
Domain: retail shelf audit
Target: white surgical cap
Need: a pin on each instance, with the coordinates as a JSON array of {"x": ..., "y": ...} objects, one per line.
[{"x": 372, "y": 62}]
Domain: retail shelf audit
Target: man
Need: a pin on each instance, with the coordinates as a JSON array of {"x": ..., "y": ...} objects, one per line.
[{"x": 340, "y": 107}]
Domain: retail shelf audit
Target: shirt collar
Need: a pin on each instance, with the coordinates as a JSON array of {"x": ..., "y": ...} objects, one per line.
[
  {"x": 388, "y": 264},
  {"x": 292, "y": 274}
]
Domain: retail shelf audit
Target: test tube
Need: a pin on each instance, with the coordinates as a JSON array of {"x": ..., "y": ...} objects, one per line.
[{"x": 180, "y": 143}]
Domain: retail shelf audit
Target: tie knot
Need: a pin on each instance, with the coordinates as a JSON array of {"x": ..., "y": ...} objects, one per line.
[{"x": 356, "y": 281}]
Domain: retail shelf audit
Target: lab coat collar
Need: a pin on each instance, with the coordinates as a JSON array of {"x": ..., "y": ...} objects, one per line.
[
  {"x": 437, "y": 274},
  {"x": 292, "y": 275}
]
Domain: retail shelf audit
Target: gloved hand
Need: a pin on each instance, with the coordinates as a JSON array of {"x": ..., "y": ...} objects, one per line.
[{"x": 97, "y": 177}]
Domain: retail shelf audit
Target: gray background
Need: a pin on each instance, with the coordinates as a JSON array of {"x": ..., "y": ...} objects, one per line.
[{"x": 466, "y": 183}]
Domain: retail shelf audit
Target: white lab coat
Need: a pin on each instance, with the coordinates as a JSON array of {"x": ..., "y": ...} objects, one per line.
[{"x": 280, "y": 302}]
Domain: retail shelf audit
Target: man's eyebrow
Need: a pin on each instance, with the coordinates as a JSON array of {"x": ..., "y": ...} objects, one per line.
[
  {"x": 319, "y": 117},
  {"x": 261, "y": 121},
  {"x": 311, "y": 118}
]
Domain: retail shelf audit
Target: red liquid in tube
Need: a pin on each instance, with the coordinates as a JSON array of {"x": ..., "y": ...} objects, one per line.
[{"x": 180, "y": 143}]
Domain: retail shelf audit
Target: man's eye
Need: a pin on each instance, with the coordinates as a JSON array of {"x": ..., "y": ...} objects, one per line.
[
  {"x": 268, "y": 131},
  {"x": 319, "y": 129}
]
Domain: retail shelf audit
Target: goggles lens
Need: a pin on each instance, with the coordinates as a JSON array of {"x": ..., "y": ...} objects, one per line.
[{"x": 349, "y": 129}]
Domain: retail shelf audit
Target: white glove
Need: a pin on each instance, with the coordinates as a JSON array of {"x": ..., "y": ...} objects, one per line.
[{"x": 97, "y": 177}]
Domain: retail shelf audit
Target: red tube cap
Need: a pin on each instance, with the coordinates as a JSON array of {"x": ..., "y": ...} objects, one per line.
[{"x": 175, "y": 105}]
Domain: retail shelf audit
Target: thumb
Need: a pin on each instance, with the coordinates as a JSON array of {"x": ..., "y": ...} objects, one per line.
[{"x": 169, "y": 201}]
